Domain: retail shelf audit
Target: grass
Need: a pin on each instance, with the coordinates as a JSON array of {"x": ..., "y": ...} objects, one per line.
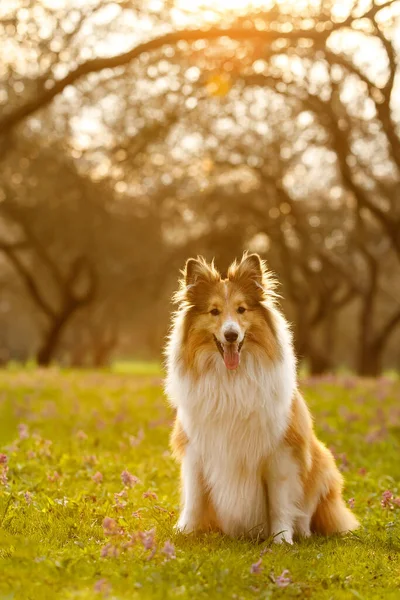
[{"x": 59, "y": 428}]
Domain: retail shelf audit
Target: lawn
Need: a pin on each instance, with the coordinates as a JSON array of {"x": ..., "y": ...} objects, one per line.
[{"x": 89, "y": 496}]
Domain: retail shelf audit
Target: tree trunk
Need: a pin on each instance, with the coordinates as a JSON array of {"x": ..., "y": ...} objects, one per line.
[
  {"x": 370, "y": 360},
  {"x": 48, "y": 349}
]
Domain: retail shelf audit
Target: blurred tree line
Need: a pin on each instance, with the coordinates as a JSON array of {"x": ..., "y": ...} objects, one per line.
[{"x": 134, "y": 134}]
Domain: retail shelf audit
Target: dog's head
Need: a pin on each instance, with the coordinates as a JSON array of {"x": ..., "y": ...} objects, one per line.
[{"x": 227, "y": 316}]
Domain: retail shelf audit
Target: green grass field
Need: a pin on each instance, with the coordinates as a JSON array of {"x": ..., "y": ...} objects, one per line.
[{"x": 89, "y": 496}]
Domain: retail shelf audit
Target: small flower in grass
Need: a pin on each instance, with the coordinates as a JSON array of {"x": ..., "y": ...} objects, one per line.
[
  {"x": 97, "y": 477},
  {"x": 283, "y": 580},
  {"x": 81, "y": 435},
  {"x": 362, "y": 471},
  {"x": 109, "y": 551},
  {"x": 102, "y": 586},
  {"x": 351, "y": 502},
  {"x": 136, "y": 440},
  {"x": 387, "y": 496},
  {"x": 169, "y": 550},
  {"x": 31, "y": 454},
  {"x": 128, "y": 479},
  {"x": 136, "y": 514},
  {"x": 256, "y": 567},
  {"x": 28, "y": 497},
  {"x": 150, "y": 494},
  {"x": 3, "y": 459},
  {"x": 148, "y": 539},
  {"x": 110, "y": 526},
  {"x": 23, "y": 431},
  {"x": 52, "y": 477},
  {"x": 3, "y": 475}
]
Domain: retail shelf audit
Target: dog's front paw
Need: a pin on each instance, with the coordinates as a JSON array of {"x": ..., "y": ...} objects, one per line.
[
  {"x": 185, "y": 525},
  {"x": 283, "y": 535}
]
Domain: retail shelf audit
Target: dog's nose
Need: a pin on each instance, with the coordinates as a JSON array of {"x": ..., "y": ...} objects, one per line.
[{"x": 231, "y": 335}]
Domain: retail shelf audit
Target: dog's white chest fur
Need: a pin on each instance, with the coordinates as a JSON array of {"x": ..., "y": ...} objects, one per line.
[{"x": 234, "y": 422}]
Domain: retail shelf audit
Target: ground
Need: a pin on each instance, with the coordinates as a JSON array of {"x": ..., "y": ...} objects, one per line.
[{"x": 89, "y": 496}]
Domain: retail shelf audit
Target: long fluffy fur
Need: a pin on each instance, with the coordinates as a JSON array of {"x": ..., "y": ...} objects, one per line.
[{"x": 251, "y": 463}]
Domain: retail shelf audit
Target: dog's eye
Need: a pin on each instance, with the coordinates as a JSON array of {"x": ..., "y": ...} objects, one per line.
[
  {"x": 241, "y": 310},
  {"x": 214, "y": 312}
]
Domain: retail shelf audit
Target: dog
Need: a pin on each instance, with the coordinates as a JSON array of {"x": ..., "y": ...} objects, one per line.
[{"x": 251, "y": 464}]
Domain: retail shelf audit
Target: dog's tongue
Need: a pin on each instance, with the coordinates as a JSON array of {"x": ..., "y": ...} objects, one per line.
[{"x": 231, "y": 356}]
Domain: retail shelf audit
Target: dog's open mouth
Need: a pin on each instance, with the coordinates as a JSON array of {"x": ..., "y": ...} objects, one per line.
[{"x": 230, "y": 353}]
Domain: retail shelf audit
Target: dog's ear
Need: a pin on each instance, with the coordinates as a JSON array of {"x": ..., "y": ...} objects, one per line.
[
  {"x": 250, "y": 267},
  {"x": 198, "y": 270}
]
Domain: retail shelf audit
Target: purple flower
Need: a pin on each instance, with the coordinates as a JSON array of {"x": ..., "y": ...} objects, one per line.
[
  {"x": 102, "y": 586},
  {"x": 351, "y": 502},
  {"x": 128, "y": 479},
  {"x": 110, "y": 526},
  {"x": 169, "y": 550},
  {"x": 283, "y": 580},
  {"x": 3, "y": 459},
  {"x": 23, "y": 431},
  {"x": 135, "y": 441},
  {"x": 387, "y": 496},
  {"x": 148, "y": 538},
  {"x": 3, "y": 475},
  {"x": 28, "y": 497},
  {"x": 109, "y": 551},
  {"x": 97, "y": 477},
  {"x": 53, "y": 477},
  {"x": 150, "y": 494},
  {"x": 256, "y": 567}
]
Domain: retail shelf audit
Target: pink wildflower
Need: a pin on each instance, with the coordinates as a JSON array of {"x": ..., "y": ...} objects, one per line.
[
  {"x": 169, "y": 550},
  {"x": 97, "y": 477},
  {"x": 351, "y": 502},
  {"x": 28, "y": 497},
  {"x": 109, "y": 551},
  {"x": 121, "y": 494},
  {"x": 23, "y": 431},
  {"x": 135, "y": 441},
  {"x": 128, "y": 479},
  {"x": 53, "y": 477},
  {"x": 150, "y": 494},
  {"x": 3, "y": 475},
  {"x": 31, "y": 454},
  {"x": 256, "y": 567},
  {"x": 362, "y": 471},
  {"x": 81, "y": 435},
  {"x": 110, "y": 526},
  {"x": 283, "y": 580},
  {"x": 386, "y": 499},
  {"x": 102, "y": 586},
  {"x": 148, "y": 539},
  {"x": 3, "y": 459}
]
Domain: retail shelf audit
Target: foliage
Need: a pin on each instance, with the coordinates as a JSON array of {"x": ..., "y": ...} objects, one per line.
[{"x": 89, "y": 496}]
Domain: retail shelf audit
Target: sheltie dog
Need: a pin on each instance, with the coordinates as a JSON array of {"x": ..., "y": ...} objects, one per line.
[{"x": 251, "y": 463}]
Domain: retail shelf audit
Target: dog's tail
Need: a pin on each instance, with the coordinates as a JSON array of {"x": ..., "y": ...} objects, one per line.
[{"x": 333, "y": 516}]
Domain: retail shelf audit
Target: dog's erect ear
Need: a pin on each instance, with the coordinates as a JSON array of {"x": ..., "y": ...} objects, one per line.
[
  {"x": 250, "y": 267},
  {"x": 197, "y": 269}
]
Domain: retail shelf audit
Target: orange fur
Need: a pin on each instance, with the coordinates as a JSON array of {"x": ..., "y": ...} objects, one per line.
[{"x": 320, "y": 476}]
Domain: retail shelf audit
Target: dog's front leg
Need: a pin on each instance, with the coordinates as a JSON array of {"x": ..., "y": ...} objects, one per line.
[
  {"x": 285, "y": 493},
  {"x": 194, "y": 497}
]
